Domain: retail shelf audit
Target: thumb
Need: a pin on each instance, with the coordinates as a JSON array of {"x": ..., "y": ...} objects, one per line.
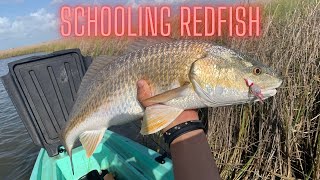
[{"x": 143, "y": 92}]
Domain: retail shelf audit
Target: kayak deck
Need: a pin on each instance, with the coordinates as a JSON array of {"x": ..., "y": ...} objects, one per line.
[
  {"x": 122, "y": 157},
  {"x": 43, "y": 90}
]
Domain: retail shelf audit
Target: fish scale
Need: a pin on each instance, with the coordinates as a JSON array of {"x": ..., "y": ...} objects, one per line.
[
  {"x": 142, "y": 58},
  {"x": 182, "y": 74}
]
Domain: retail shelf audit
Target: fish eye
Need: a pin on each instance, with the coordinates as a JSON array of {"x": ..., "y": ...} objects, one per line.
[{"x": 257, "y": 71}]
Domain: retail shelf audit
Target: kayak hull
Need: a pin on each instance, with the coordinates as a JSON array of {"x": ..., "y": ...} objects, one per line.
[{"x": 122, "y": 157}]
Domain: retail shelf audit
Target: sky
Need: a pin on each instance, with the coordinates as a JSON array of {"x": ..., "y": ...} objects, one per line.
[{"x": 27, "y": 22}]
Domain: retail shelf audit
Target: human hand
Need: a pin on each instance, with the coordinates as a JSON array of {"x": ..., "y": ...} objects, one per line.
[
  {"x": 185, "y": 146},
  {"x": 144, "y": 92}
]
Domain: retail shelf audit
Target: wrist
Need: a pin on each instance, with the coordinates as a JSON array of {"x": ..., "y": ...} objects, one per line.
[
  {"x": 181, "y": 129},
  {"x": 185, "y": 116},
  {"x": 187, "y": 135}
]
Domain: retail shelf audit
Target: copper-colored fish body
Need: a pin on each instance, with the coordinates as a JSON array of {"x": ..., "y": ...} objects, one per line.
[{"x": 184, "y": 74}]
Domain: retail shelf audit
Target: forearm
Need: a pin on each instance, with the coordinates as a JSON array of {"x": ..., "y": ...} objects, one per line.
[
  {"x": 191, "y": 155},
  {"x": 192, "y": 158}
]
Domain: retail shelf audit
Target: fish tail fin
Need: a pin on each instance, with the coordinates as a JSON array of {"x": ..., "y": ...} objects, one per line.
[
  {"x": 71, "y": 162},
  {"x": 68, "y": 148}
]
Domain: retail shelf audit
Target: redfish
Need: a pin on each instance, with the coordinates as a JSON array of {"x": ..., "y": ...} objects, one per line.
[{"x": 183, "y": 74}]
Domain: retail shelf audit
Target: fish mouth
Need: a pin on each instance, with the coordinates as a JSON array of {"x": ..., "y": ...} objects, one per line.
[{"x": 271, "y": 91}]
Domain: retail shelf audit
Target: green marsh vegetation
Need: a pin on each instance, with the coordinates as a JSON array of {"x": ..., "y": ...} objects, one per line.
[{"x": 281, "y": 138}]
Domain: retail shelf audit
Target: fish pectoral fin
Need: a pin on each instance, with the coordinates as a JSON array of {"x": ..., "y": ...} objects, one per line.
[
  {"x": 168, "y": 95},
  {"x": 91, "y": 139},
  {"x": 157, "y": 117}
]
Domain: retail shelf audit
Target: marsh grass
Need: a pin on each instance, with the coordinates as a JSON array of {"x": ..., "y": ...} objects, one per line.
[
  {"x": 279, "y": 139},
  {"x": 88, "y": 46}
]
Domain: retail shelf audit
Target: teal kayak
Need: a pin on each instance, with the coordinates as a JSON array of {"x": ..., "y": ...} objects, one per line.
[
  {"x": 122, "y": 157},
  {"x": 43, "y": 90}
]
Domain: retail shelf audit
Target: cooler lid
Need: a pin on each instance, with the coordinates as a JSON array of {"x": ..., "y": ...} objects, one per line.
[{"x": 43, "y": 90}]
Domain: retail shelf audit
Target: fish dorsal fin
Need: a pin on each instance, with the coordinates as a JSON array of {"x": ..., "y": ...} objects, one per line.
[
  {"x": 142, "y": 42},
  {"x": 168, "y": 95},
  {"x": 157, "y": 117},
  {"x": 91, "y": 139}
]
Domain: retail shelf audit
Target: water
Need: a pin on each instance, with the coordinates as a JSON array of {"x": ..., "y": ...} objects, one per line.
[{"x": 17, "y": 151}]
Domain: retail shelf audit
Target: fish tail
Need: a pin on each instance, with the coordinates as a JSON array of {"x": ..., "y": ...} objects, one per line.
[
  {"x": 70, "y": 155},
  {"x": 69, "y": 149}
]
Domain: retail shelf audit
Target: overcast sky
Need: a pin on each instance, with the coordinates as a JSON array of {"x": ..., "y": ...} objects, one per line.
[{"x": 26, "y": 22}]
